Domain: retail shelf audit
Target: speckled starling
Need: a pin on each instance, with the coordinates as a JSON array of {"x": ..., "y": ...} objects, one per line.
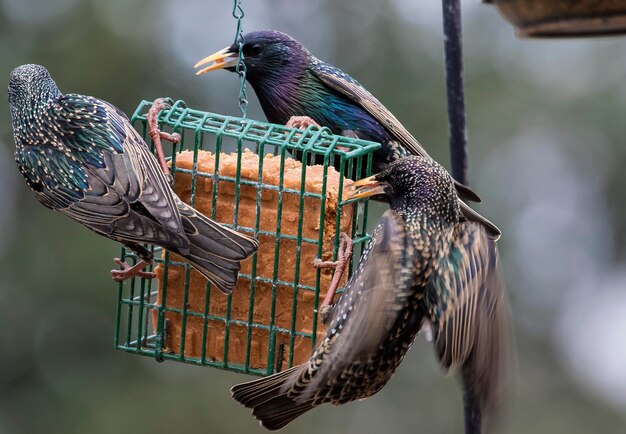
[
  {"x": 425, "y": 267},
  {"x": 80, "y": 156},
  {"x": 290, "y": 82}
]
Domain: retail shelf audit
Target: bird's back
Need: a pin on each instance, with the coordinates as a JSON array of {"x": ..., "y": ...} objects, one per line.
[{"x": 80, "y": 156}]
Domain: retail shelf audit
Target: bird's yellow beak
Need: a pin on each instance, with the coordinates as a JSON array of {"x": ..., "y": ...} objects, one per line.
[
  {"x": 222, "y": 59},
  {"x": 367, "y": 187}
]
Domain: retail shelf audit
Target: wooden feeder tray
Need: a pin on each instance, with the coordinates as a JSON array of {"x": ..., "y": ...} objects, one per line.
[{"x": 564, "y": 18}]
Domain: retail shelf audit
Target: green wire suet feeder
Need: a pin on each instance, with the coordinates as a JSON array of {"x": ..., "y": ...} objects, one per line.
[{"x": 240, "y": 173}]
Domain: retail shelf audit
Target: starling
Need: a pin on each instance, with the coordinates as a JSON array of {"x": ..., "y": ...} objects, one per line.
[
  {"x": 289, "y": 82},
  {"x": 425, "y": 268},
  {"x": 80, "y": 156}
]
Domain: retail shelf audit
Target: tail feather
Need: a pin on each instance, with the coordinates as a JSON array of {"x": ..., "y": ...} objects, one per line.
[
  {"x": 257, "y": 391},
  {"x": 215, "y": 250},
  {"x": 272, "y": 416},
  {"x": 270, "y": 400},
  {"x": 466, "y": 193},
  {"x": 472, "y": 216}
]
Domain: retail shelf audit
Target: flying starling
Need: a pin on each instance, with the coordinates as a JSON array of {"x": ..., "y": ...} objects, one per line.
[
  {"x": 81, "y": 156},
  {"x": 290, "y": 82},
  {"x": 425, "y": 268}
]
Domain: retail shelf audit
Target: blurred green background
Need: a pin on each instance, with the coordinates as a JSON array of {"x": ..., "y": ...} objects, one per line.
[{"x": 547, "y": 153}]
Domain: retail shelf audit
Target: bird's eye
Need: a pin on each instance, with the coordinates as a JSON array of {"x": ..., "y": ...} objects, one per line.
[{"x": 254, "y": 50}]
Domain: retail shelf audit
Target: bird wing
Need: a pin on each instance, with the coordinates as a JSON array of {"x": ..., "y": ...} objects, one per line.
[
  {"x": 124, "y": 192},
  {"x": 349, "y": 87},
  {"x": 467, "y": 307},
  {"x": 368, "y": 309},
  {"x": 56, "y": 178}
]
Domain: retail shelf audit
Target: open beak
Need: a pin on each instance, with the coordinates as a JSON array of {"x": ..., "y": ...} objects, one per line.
[
  {"x": 222, "y": 59},
  {"x": 367, "y": 187}
]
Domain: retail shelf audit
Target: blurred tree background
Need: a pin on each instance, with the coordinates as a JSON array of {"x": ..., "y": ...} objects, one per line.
[{"x": 547, "y": 154}]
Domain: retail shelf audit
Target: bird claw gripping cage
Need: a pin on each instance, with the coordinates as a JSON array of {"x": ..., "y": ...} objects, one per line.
[{"x": 240, "y": 173}]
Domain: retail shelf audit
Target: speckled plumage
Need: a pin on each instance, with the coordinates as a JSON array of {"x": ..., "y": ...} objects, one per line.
[
  {"x": 289, "y": 81},
  {"x": 424, "y": 265},
  {"x": 80, "y": 156}
]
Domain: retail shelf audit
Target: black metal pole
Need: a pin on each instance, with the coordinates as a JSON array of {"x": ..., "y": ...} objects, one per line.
[{"x": 453, "y": 45}]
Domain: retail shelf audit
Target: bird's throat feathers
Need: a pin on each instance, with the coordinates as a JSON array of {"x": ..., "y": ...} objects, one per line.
[{"x": 276, "y": 95}]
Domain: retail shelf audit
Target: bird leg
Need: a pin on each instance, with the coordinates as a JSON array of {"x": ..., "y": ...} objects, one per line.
[
  {"x": 301, "y": 122},
  {"x": 340, "y": 265},
  {"x": 127, "y": 271},
  {"x": 156, "y": 135}
]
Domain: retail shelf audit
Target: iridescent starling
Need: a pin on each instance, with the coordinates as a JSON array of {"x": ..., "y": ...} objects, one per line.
[
  {"x": 425, "y": 267},
  {"x": 290, "y": 82},
  {"x": 80, "y": 156}
]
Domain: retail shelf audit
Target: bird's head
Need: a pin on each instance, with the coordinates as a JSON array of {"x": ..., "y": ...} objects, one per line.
[
  {"x": 30, "y": 87},
  {"x": 267, "y": 53},
  {"x": 412, "y": 184}
]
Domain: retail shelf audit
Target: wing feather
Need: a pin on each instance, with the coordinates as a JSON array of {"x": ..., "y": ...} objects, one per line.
[
  {"x": 469, "y": 311},
  {"x": 126, "y": 195},
  {"x": 370, "y": 306},
  {"x": 348, "y": 86}
]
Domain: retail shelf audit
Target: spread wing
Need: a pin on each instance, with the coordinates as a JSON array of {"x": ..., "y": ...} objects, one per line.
[
  {"x": 467, "y": 307},
  {"x": 365, "y": 313}
]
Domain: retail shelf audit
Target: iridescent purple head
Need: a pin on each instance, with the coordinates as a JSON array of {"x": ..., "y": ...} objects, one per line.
[{"x": 268, "y": 54}]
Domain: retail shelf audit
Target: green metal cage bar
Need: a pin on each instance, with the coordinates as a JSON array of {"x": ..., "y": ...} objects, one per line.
[{"x": 141, "y": 322}]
